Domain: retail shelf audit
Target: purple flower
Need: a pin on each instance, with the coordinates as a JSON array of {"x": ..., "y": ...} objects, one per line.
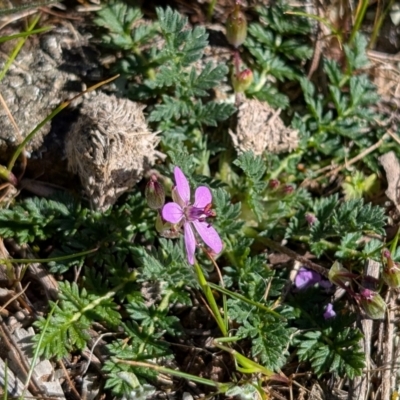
[
  {"x": 329, "y": 311},
  {"x": 306, "y": 278},
  {"x": 182, "y": 213}
]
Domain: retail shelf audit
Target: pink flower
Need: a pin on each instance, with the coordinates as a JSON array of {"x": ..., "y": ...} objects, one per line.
[{"x": 183, "y": 213}]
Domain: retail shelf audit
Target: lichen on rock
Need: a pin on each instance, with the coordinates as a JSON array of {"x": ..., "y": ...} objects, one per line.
[
  {"x": 260, "y": 128},
  {"x": 110, "y": 147}
]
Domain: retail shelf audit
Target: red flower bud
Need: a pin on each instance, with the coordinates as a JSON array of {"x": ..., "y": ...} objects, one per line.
[
  {"x": 274, "y": 183},
  {"x": 372, "y": 303},
  {"x": 154, "y": 193},
  {"x": 288, "y": 189},
  {"x": 242, "y": 80},
  {"x": 391, "y": 270},
  {"x": 310, "y": 218}
]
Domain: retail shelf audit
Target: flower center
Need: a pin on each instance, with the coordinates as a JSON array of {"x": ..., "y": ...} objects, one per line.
[{"x": 198, "y": 214}]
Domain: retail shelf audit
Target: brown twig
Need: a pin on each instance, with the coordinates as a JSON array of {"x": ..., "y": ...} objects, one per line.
[
  {"x": 70, "y": 384},
  {"x": 294, "y": 256},
  {"x": 10, "y": 343},
  {"x": 355, "y": 159}
]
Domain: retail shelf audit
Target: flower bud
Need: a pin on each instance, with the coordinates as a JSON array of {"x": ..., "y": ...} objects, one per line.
[
  {"x": 154, "y": 193},
  {"x": 310, "y": 218},
  {"x": 372, "y": 303},
  {"x": 242, "y": 80},
  {"x": 391, "y": 270},
  {"x": 236, "y": 27},
  {"x": 288, "y": 189},
  {"x": 274, "y": 184},
  {"x": 160, "y": 225},
  {"x": 339, "y": 275}
]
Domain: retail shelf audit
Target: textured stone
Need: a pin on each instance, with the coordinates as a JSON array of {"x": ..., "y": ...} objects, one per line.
[
  {"x": 110, "y": 147},
  {"x": 47, "y": 71},
  {"x": 260, "y": 128}
]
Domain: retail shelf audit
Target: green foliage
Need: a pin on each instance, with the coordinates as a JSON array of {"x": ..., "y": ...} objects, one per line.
[
  {"x": 124, "y": 378},
  {"x": 71, "y": 320},
  {"x": 182, "y": 48},
  {"x": 167, "y": 266},
  {"x": 254, "y": 169},
  {"x": 132, "y": 281},
  {"x": 73, "y": 228},
  {"x": 38, "y": 218},
  {"x": 333, "y": 349},
  {"x": 358, "y": 185},
  {"x": 278, "y": 43},
  {"x": 118, "y": 19},
  {"x": 169, "y": 67},
  {"x": 341, "y": 120},
  {"x": 269, "y": 335},
  {"x": 341, "y": 223},
  {"x": 331, "y": 345}
]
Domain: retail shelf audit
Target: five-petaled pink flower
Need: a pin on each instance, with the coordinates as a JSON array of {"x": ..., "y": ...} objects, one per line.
[{"x": 182, "y": 212}]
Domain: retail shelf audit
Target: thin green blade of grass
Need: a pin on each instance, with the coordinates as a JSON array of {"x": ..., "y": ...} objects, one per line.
[
  {"x": 37, "y": 350},
  {"x": 245, "y": 299},
  {"x": 18, "y": 48},
  {"x": 50, "y": 117},
  {"x": 25, "y": 34}
]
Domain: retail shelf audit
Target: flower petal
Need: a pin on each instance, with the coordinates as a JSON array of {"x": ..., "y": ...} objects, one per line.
[
  {"x": 182, "y": 185},
  {"x": 202, "y": 197},
  {"x": 209, "y": 235},
  {"x": 329, "y": 311},
  {"x": 190, "y": 242},
  {"x": 306, "y": 278},
  {"x": 172, "y": 212}
]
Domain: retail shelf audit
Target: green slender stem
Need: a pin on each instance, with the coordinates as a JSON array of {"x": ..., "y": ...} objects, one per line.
[
  {"x": 225, "y": 166},
  {"x": 221, "y": 387},
  {"x": 248, "y": 366},
  {"x": 322, "y": 20},
  {"x": 46, "y": 260},
  {"x": 283, "y": 164},
  {"x": 363, "y": 5},
  {"x": 262, "y": 81},
  {"x": 210, "y": 298},
  {"x": 36, "y": 355},
  {"x": 393, "y": 245},
  {"x": 18, "y": 48},
  {"x": 229, "y": 339},
  {"x": 25, "y": 34},
  {"x": 378, "y": 24},
  {"x": 210, "y": 10},
  {"x": 50, "y": 117},
  {"x": 244, "y": 299}
]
